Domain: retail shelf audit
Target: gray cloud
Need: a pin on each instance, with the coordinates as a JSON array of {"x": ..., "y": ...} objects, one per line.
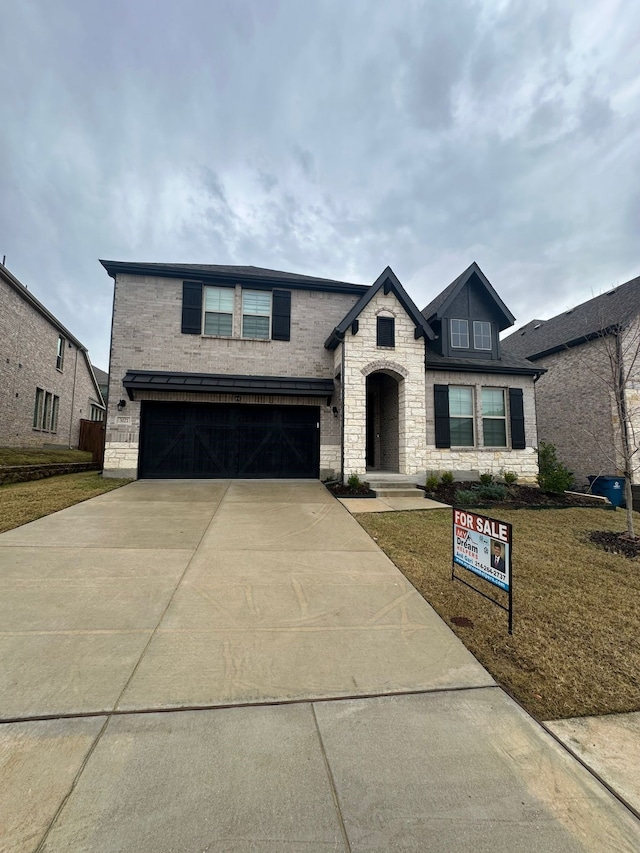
[{"x": 325, "y": 138}]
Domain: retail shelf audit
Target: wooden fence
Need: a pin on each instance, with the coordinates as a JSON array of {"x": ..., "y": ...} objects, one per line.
[{"x": 92, "y": 439}]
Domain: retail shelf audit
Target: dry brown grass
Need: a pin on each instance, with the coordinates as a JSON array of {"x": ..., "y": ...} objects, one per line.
[
  {"x": 575, "y": 648},
  {"x": 24, "y": 502},
  {"x": 41, "y": 455}
]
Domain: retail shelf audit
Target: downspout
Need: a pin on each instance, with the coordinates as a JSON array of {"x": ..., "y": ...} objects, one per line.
[{"x": 73, "y": 396}]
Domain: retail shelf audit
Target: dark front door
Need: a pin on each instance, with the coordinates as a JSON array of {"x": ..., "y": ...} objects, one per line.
[{"x": 216, "y": 440}]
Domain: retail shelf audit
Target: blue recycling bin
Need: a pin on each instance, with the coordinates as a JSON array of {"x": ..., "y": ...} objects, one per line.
[{"x": 609, "y": 487}]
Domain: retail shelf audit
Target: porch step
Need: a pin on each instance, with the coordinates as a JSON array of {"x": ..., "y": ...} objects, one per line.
[{"x": 398, "y": 492}]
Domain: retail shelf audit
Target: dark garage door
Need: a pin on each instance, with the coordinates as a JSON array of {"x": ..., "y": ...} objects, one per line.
[{"x": 216, "y": 440}]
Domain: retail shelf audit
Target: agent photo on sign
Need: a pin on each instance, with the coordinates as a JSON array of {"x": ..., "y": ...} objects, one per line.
[{"x": 497, "y": 557}]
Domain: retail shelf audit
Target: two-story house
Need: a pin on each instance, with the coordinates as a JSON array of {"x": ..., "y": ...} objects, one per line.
[
  {"x": 586, "y": 352},
  {"x": 47, "y": 385},
  {"x": 223, "y": 371}
]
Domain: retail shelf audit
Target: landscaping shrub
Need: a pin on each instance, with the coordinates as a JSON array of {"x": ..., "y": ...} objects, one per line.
[
  {"x": 354, "y": 482},
  {"x": 492, "y": 492},
  {"x": 466, "y": 497},
  {"x": 486, "y": 479},
  {"x": 446, "y": 478},
  {"x": 431, "y": 483},
  {"x": 553, "y": 475},
  {"x": 510, "y": 477}
]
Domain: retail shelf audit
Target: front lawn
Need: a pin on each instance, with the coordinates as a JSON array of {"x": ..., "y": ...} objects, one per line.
[
  {"x": 575, "y": 648},
  {"x": 41, "y": 455},
  {"x": 24, "y": 502}
]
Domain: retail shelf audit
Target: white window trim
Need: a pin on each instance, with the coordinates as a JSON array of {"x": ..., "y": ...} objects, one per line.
[
  {"x": 451, "y": 322},
  {"x": 505, "y": 418},
  {"x": 246, "y": 290},
  {"x": 219, "y": 313},
  {"x": 475, "y": 337},
  {"x": 62, "y": 343},
  {"x": 471, "y": 417}
]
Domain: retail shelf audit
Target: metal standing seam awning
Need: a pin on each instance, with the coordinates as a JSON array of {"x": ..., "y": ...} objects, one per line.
[{"x": 224, "y": 383}]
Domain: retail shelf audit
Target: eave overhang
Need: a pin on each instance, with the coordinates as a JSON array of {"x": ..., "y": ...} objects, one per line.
[{"x": 224, "y": 383}]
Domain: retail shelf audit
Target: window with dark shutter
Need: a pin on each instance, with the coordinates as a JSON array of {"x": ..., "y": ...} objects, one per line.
[
  {"x": 281, "y": 315},
  {"x": 516, "y": 416},
  {"x": 441, "y": 412},
  {"x": 191, "y": 307},
  {"x": 386, "y": 332}
]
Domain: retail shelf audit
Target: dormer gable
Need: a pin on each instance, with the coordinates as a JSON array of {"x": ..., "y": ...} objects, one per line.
[
  {"x": 468, "y": 317},
  {"x": 387, "y": 282}
]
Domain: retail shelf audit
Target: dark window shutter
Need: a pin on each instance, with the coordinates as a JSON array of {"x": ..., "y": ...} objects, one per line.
[
  {"x": 281, "y": 321},
  {"x": 516, "y": 412},
  {"x": 191, "y": 307},
  {"x": 441, "y": 410},
  {"x": 386, "y": 332}
]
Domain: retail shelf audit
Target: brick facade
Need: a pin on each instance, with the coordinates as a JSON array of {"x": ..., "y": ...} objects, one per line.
[{"x": 28, "y": 357}]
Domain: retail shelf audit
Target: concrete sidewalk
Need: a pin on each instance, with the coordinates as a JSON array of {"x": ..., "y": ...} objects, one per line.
[{"x": 235, "y": 666}]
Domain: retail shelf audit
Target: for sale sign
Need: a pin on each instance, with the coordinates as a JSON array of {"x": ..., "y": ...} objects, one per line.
[{"x": 483, "y": 546}]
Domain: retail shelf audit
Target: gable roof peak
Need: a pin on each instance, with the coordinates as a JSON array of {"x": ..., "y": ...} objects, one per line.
[{"x": 438, "y": 306}]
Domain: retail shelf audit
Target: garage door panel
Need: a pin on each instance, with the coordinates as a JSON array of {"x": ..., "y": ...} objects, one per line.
[{"x": 215, "y": 440}]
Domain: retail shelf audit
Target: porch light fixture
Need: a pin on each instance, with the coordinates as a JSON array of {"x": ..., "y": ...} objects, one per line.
[
  {"x": 335, "y": 411},
  {"x": 121, "y": 404}
]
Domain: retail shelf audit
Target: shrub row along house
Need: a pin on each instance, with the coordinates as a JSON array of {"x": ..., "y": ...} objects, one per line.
[
  {"x": 47, "y": 384},
  {"x": 226, "y": 371},
  {"x": 589, "y": 396}
]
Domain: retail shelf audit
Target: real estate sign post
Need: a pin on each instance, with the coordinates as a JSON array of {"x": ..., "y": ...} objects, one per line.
[{"x": 482, "y": 546}]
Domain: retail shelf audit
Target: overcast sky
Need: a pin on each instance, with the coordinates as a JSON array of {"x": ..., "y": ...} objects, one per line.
[{"x": 326, "y": 137}]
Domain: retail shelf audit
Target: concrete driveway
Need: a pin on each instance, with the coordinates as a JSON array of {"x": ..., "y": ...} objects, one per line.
[{"x": 236, "y": 666}]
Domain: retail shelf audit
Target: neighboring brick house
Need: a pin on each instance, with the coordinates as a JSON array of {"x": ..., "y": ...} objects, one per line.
[
  {"x": 46, "y": 381},
  {"x": 575, "y": 398},
  {"x": 221, "y": 371}
]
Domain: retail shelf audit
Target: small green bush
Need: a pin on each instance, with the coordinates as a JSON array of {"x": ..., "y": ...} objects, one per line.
[
  {"x": 446, "y": 478},
  {"x": 492, "y": 492},
  {"x": 431, "y": 483},
  {"x": 466, "y": 497},
  {"x": 510, "y": 477},
  {"x": 486, "y": 479},
  {"x": 553, "y": 476},
  {"x": 354, "y": 482}
]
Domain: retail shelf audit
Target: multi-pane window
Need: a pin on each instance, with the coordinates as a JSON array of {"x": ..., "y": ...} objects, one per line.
[
  {"x": 256, "y": 314},
  {"x": 494, "y": 417},
  {"x": 460, "y": 334},
  {"x": 461, "y": 416},
  {"x": 45, "y": 412},
  {"x": 96, "y": 413},
  {"x": 218, "y": 311},
  {"x": 481, "y": 335},
  {"x": 60, "y": 354}
]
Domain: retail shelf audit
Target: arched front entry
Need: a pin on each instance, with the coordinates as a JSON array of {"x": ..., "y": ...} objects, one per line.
[{"x": 383, "y": 421}]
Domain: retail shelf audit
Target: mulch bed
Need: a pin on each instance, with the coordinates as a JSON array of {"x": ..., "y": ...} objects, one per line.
[
  {"x": 340, "y": 490},
  {"x": 518, "y": 497},
  {"x": 616, "y": 543}
]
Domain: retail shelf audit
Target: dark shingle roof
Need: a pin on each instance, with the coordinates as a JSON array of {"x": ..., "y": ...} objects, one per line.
[
  {"x": 541, "y": 337},
  {"x": 101, "y": 375},
  {"x": 507, "y": 363},
  {"x": 225, "y": 271}
]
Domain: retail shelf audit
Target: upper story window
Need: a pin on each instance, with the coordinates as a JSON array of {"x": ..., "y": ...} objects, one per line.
[
  {"x": 481, "y": 335},
  {"x": 494, "y": 417},
  {"x": 256, "y": 314},
  {"x": 60, "y": 354},
  {"x": 218, "y": 311},
  {"x": 385, "y": 331},
  {"x": 460, "y": 334}
]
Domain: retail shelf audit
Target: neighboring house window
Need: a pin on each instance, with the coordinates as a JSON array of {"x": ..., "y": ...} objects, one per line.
[
  {"x": 96, "y": 413},
  {"x": 256, "y": 314},
  {"x": 385, "y": 332},
  {"x": 461, "y": 416},
  {"x": 218, "y": 311},
  {"x": 460, "y": 334},
  {"x": 38, "y": 409},
  {"x": 45, "y": 412},
  {"x": 60, "y": 355},
  {"x": 494, "y": 417},
  {"x": 481, "y": 335}
]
